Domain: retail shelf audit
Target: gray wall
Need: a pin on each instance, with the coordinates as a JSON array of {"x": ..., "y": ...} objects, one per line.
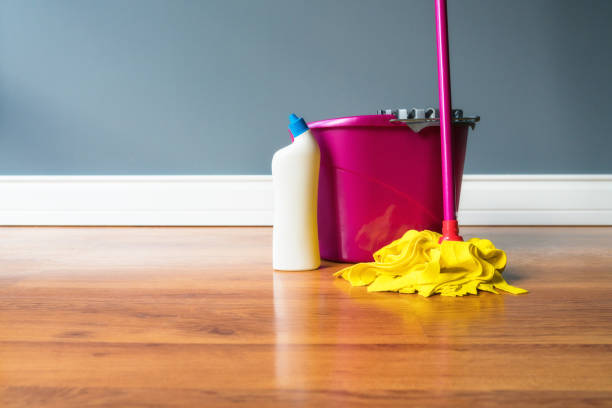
[{"x": 204, "y": 87}]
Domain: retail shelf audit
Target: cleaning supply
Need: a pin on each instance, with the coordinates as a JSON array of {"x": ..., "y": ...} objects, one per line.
[
  {"x": 418, "y": 263},
  {"x": 295, "y": 175},
  {"x": 380, "y": 176},
  {"x": 427, "y": 262}
]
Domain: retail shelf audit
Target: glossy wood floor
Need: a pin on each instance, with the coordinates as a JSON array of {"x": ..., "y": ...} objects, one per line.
[{"x": 176, "y": 317}]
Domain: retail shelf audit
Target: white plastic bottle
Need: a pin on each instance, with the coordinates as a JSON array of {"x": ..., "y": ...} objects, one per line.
[{"x": 295, "y": 174}]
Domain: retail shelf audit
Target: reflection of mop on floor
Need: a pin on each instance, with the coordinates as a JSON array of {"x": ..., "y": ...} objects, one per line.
[
  {"x": 418, "y": 263},
  {"x": 435, "y": 315}
]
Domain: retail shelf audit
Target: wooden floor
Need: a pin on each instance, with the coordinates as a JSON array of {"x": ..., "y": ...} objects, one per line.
[{"x": 179, "y": 317}]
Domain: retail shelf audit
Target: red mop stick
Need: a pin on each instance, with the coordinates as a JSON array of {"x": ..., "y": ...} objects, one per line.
[{"x": 450, "y": 228}]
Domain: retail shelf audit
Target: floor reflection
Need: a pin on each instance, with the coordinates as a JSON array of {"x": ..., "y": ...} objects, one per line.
[
  {"x": 437, "y": 315},
  {"x": 323, "y": 325}
]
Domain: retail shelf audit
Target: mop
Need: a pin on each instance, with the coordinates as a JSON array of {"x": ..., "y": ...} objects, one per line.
[{"x": 426, "y": 262}]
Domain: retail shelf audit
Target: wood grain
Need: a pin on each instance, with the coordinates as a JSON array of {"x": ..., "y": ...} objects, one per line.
[{"x": 174, "y": 317}]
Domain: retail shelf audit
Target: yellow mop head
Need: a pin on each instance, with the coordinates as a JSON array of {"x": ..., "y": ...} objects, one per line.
[{"x": 418, "y": 263}]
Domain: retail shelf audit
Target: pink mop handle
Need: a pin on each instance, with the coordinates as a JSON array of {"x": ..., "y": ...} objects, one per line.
[{"x": 450, "y": 229}]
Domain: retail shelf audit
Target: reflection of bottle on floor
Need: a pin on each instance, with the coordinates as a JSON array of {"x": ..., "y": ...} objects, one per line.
[{"x": 295, "y": 173}]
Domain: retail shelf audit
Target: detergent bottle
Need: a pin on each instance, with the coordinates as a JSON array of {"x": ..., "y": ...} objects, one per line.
[{"x": 295, "y": 174}]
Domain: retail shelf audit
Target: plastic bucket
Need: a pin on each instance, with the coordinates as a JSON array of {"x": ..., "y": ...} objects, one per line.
[{"x": 378, "y": 179}]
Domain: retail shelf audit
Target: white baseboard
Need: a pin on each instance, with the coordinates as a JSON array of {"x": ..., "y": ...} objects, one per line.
[
  {"x": 247, "y": 200},
  {"x": 536, "y": 200}
]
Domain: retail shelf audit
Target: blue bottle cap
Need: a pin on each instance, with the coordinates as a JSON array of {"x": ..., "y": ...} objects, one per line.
[{"x": 297, "y": 125}]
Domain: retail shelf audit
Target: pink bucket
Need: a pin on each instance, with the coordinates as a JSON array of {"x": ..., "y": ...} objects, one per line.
[{"x": 377, "y": 180}]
